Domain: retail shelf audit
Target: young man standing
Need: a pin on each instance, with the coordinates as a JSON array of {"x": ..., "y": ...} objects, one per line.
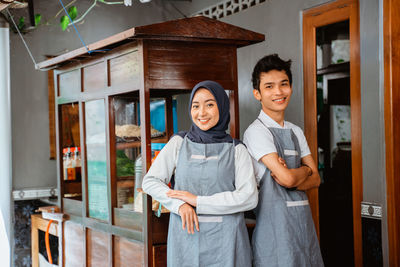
[{"x": 284, "y": 234}]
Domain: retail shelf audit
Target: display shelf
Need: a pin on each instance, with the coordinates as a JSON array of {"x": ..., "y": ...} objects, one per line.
[
  {"x": 123, "y": 178},
  {"x": 136, "y": 144},
  {"x": 72, "y": 181},
  {"x": 128, "y": 218},
  {"x": 339, "y": 67}
]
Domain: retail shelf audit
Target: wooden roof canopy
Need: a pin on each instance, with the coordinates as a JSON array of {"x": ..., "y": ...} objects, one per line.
[
  {"x": 5, "y": 3},
  {"x": 194, "y": 29}
]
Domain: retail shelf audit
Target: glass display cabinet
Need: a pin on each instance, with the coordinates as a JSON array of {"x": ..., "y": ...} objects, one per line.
[{"x": 107, "y": 133}]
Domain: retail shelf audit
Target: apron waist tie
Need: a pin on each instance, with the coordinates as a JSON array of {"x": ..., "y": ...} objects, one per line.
[
  {"x": 297, "y": 203},
  {"x": 210, "y": 218}
]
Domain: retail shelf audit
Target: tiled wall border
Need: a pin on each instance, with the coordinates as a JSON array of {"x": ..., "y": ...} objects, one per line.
[{"x": 228, "y": 7}]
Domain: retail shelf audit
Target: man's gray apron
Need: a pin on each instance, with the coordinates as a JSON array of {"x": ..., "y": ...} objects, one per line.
[
  {"x": 284, "y": 234},
  {"x": 204, "y": 170}
]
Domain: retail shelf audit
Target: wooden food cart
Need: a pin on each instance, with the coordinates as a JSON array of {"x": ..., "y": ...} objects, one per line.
[{"x": 103, "y": 127}]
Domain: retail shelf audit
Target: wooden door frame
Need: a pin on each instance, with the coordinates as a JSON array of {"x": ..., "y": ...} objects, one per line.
[
  {"x": 316, "y": 17},
  {"x": 391, "y": 50}
]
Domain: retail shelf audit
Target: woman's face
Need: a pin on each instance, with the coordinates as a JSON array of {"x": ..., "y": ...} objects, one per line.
[{"x": 204, "y": 109}]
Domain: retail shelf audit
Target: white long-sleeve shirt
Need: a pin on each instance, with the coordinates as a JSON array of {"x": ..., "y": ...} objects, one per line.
[{"x": 244, "y": 197}]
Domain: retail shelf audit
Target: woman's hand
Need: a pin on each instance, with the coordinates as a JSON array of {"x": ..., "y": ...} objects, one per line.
[
  {"x": 184, "y": 196},
  {"x": 188, "y": 217}
]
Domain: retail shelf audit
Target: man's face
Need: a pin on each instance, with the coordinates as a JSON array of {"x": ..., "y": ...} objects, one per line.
[{"x": 275, "y": 91}]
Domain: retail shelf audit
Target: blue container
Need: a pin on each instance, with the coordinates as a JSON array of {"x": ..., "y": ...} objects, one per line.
[
  {"x": 157, "y": 146},
  {"x": 157, "y": 115}
]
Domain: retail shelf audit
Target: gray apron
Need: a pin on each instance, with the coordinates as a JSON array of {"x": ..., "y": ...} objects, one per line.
[
  {"x": 204, "y": 170},
  {"x": 284, "y": 234}
]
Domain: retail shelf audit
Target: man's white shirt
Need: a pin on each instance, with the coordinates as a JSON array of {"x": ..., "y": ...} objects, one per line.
[{"x": 260, "y": 141}]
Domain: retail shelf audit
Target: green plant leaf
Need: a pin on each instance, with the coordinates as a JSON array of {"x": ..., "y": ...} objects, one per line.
[
  {"x": 73, "y": 12},
  {"x": 21, "y": 23},
  {"x": 38, "y": 18},
  {"x": 64, "y": 21}
]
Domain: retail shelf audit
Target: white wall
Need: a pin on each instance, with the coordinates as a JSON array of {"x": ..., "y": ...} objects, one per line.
[
  {"x": 280, "y": 21},
  {"x": 5, "y": 146},
  {"x": 372, "y": 103}
]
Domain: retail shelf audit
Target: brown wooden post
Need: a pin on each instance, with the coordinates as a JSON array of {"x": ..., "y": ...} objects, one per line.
[
  {"x": 391, "y": 32},
  {"x": 169, "y": 120},
  {"x": 52, "y": 118},
  {"x": 234, "y": 98},
  {"x": 144, "y": 96}
]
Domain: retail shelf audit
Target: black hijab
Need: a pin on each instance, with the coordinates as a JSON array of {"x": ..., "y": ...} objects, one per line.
[{"x": 216, "y": 134}]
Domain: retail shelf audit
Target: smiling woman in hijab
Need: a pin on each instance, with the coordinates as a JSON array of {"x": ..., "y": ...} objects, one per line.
[{"x": 214, "y": 185}]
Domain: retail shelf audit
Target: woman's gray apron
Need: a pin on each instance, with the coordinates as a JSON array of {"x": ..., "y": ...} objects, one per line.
[
  {"x": 284, "y": 234},
  {"x": 204, "y": 170}
]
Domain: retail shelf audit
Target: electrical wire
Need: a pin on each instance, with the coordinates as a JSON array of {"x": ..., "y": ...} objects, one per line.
[
  {"x": 75, "y": 26},
  {"x": 84, "y": 14},
  {"x": 177, "y": 9},
  {"x": 76, "y": 30},
  {"x": 22, "y": 38}
]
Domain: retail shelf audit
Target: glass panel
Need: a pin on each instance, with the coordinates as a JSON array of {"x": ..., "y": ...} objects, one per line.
[
  {"x": 70, "y": 83},
  {"x": 334, "y": 143},
  {"x": 127, "y": 253},
  {"x": 70, "y": 151},
  {"x": 128, "y": 207},
  {"x": 93, "y": 78},
  {"x": 97, "y": 248},
  {"x": 127, "y": 134},
  {"x": 125, "y": 68},
  {"x": 74, "y": 243},
  {"x": 129, "y": 203},
  {"x": 96, "y": 159}
]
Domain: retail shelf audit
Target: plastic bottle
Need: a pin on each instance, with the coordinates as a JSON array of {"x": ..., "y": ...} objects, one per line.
[
  {"x": 77, "y": 164},
  {"x": 138, "y": 193},
  {"x": 65, "y": 163},
  {"x": 71, "y": 175},
  {"x": 138, "y": 174},
  {"x": 155, "y": 150}
]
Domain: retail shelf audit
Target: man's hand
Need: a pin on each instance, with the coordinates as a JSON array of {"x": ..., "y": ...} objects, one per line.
[
  {"x": 283, "y": 162},
  {"x": 184, "y": 196},
  {"x": 313, "y": 180},
  {"x": 188, "y": 217}
]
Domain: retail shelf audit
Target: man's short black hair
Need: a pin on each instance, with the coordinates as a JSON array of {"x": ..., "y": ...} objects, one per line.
[{"x": 268, "y": 63}]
